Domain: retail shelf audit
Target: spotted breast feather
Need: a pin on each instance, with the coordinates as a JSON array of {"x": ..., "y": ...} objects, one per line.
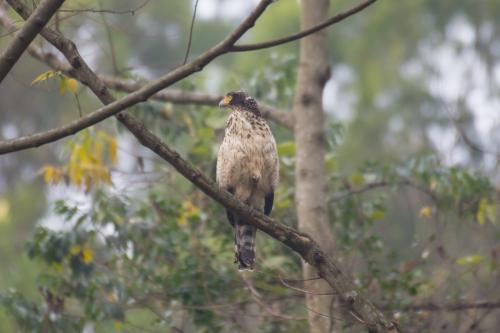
[{"x": 248, "y": 167}]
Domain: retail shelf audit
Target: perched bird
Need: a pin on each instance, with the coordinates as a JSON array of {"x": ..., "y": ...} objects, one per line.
[{"x": 247, "y": 167}]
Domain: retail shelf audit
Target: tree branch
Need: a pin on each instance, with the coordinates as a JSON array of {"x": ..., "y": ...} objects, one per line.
[
  {"x": 300, "y": 243},
  {"x": 147, "y": 91},
  {"x": 331, "y": 21},
  {"x": 87, "y": 77},
  {"x": 450, "y": 307},
  {"x": 284, "y": 119},
  {"x": 28, "y": 32}
]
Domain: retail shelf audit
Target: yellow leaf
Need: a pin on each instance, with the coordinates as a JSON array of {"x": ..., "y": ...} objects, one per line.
[
  {"x": 4, "y": 210},
  {"x": 189, "y": 123},
  {"x": 57, "y": 266},
  {"x": 286, "y": 148},
  {"x": 426, "y": 211},
  {"x": 63, "y": 85},
  {"x": 44, "y": 76},
  {"x": 486, "y": 210},
  {"x": 470, "y": 260},
  {"x": 118, "y": 325},
  {"x": 87, "y": 255},
  {"x": 75, "y": 250},
  {"x": 72, "y": 85},
  {"x": 189, "y": 210},
  {"x": 48, "y": 174},
  {"x": 113, "y": 150},
  {"x": 357, "y": 179},
  {"x": 377, "y": 214},
  {"x": 182, "y": 220}
]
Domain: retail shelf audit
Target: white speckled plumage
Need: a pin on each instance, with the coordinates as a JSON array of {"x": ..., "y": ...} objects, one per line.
[{"x": 248, "y": 166}]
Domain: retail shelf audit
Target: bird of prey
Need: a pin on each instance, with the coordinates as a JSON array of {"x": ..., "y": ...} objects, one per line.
[{"x": 247, "y": 167}]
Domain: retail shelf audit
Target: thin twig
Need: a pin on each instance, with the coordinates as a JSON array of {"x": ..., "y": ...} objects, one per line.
[
  {"x": 471, "y": 144},
  {"x": 306, "y": 291},
  {"x": 331, "y": 21},
  {"x": 449, "y": 307},
  {"x": 190, "y": 38},
  {"x": 258, "y": 299},
  {"x": 107, "y": 11},
  {"x": 111, "y": 43}
]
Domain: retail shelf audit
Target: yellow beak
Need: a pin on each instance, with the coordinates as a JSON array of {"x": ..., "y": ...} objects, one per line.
[{"x": 225, "y": 101}]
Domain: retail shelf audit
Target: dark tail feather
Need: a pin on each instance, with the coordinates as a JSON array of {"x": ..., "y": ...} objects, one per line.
[{"x": 244, "y": 246}]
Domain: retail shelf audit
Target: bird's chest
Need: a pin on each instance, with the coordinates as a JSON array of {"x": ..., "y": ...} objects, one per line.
[{"x": 246, "y": 136}]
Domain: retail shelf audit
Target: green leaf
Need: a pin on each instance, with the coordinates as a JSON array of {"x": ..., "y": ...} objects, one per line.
[
  {"x": 286, "y": 148},
  {"x": 470, "y": 259},
  {"x": 486, "y": 210},
  {"x": 357, "y": 179},
  {"x": 63, "y": 85},
  {"x": 377, "y": 214}
]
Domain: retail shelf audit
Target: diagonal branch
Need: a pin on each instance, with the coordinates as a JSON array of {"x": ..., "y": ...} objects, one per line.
[
  {"x": 284, "y": 119},
  {"x": 147, "y": 91},
  {"x": 331, "y": 21},
  {"x": 300, "y": 243},
  {"x": 87, "y": 77},
  {"x": 28, "y": 32}
]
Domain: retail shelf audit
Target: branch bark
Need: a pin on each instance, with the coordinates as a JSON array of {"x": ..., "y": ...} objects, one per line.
[{"x": 42, "y": 14}]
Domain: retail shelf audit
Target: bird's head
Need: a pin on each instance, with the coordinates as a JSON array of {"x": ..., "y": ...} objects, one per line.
[{"x": 239, "y": 100}]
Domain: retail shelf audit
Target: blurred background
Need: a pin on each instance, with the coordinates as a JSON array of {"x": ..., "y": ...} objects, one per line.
[{"x": 98, "y": 223}]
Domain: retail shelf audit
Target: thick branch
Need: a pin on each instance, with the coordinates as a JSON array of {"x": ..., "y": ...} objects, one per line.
[
  {"x": 147, "y": 91},
  {"x": 87, "y": 77},
  {"x": 331, "y": 21},
  {"x": 28, "y": 32},
  {"x": 300, "y": 243},
  {"x": 284, "y": 119}
]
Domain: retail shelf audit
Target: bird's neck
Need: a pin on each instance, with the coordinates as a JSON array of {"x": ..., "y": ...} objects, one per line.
[{"x": 249, "y": 113}]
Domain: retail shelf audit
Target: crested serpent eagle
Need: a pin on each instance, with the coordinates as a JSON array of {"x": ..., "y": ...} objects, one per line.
[{"x": 247, "y": 167}]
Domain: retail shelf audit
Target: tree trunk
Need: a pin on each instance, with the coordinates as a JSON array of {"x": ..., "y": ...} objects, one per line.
[{"x": 310, "y": 178}]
